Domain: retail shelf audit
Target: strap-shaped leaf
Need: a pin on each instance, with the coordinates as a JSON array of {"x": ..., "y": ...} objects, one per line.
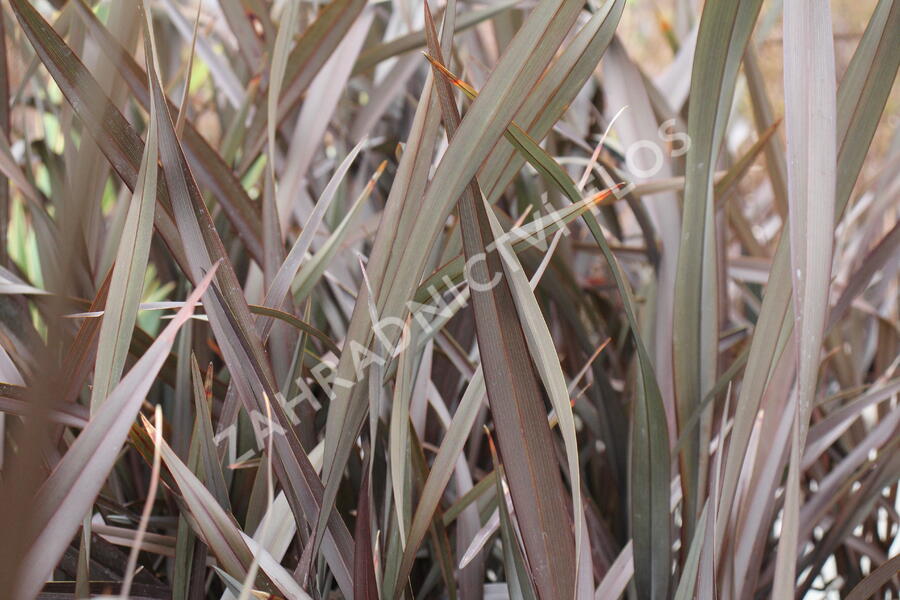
[
  {"x": 127, "y": 282},
  {"x": 809, "y": 84},
  {"x": 724, "y": 31}
]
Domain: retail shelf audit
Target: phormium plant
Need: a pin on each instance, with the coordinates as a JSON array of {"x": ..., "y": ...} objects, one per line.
[{"x": 477, "y": 299}]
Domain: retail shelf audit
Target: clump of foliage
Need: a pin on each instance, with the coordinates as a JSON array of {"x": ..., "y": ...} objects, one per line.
[{"x": 469, "y": 299}]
